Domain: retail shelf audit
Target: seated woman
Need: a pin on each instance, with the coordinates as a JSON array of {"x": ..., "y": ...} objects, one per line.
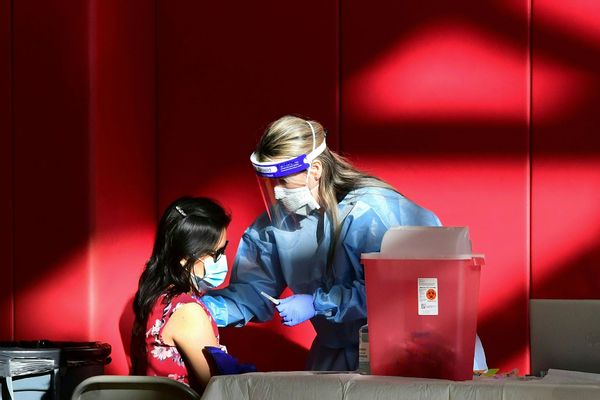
[{"x": 187, "y": 260}]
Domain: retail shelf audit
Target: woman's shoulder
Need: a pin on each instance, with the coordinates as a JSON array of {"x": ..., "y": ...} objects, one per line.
[
  {"x": 190, "y": 322},
  {"x": 372, "y": 194},
  {"x": 183, "y": 299},
  {"x": 390, "y": 206},
  {"x": 166, "y": 305},
  {"x": 190, "y": 307}
]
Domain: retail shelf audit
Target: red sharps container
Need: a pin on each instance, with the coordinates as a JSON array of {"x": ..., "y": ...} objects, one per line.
[{"x": 422, "y": 295}]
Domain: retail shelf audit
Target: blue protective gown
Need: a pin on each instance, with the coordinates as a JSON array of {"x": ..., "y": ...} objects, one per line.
[{"x": 270, "y": 259}]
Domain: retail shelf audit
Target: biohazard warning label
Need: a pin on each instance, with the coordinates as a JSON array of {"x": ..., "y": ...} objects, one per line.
[
  {"x": 428, "y": 296},
  {"x": 431, "y": 294}
]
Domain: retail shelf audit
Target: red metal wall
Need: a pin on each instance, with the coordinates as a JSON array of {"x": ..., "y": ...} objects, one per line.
[
  {"x": 565, "y": 240},
  {"x": 484, "y": 112},
  {"x": 51, "y": 152},
  {"x": 84, "y": 129},
  {"x": 123, "y": 162},
  {"x": 6, "y": 173}
]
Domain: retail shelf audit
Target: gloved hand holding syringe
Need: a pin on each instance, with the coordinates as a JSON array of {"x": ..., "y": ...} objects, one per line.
[
  {"x": 270, "y": 298},
  {"x": 294, "y": 309}
]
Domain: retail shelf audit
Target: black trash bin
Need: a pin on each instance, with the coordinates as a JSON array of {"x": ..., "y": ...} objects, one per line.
[{"x": 71, "y": 363}]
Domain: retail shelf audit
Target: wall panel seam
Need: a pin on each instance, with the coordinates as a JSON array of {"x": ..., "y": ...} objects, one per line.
[
  {"x": 530, "y": 143},
  {"x": 13, "y": 185},
  {"x": 340, "y": 77},
  {"x": 156, "y": 112}
]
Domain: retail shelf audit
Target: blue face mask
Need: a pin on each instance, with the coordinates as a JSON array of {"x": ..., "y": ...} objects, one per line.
[{"x": 214, "y": 274}]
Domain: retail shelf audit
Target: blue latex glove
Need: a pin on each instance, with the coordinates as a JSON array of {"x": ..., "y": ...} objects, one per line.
[{"x": 296, "y": 309}]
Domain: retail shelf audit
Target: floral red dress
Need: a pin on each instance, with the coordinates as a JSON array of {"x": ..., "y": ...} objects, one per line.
[{"x": 163, "y": 359}]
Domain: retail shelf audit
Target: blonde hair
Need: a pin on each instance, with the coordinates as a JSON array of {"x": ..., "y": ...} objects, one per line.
[{"x": 291, "y": 136}]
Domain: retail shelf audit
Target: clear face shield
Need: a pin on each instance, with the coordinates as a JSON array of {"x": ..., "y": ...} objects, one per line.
[{"x": 283, "y": 186}]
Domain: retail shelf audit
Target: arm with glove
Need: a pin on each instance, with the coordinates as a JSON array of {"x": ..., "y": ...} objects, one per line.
[{"x": 296, "y": 309}]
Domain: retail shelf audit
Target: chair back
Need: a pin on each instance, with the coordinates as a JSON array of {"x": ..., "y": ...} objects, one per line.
[{"x": 117, "y": 387}]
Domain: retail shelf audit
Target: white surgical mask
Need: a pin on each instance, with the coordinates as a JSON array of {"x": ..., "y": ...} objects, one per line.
[
  {"x": 298, "y": 200},
  {"x": 214, "y": 274}
]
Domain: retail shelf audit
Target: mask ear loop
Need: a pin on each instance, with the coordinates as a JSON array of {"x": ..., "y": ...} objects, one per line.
[{"x": 197, "y": 281}]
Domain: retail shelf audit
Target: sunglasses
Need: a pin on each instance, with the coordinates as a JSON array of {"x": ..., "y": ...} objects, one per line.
[{"x": 216, "y": 255}]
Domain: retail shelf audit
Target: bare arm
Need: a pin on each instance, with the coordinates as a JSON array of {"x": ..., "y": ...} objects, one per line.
[{"x": 190, "y": 330}]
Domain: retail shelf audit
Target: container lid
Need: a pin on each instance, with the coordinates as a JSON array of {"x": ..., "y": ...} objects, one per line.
[{"x": 425, "y": 242}]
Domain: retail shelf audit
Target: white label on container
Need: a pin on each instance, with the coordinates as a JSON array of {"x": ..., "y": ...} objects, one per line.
[
  {"x": 428, "y": 296},
  {"x": 363, "y": 352}
]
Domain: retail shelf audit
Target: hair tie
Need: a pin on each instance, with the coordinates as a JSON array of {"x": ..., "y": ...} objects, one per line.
[{"x": 183, "y": 214}]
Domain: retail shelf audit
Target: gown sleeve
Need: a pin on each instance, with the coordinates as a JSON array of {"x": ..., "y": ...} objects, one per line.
[
  {"x": 255, "y": 269},
  {"x": 362, "y": 232}
]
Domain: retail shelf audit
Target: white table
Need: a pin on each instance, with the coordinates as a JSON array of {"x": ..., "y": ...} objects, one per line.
[{"x": 349, "y": 386}]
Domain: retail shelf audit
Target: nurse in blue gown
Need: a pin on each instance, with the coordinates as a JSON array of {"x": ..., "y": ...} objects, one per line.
[{"x": 322, "y": 214}]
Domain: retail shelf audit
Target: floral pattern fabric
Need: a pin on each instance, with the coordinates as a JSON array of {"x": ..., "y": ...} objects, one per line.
[{"x": 164, "y": 359}]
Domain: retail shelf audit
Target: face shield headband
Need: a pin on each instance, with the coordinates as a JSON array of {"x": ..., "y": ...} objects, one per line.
[
  {"x": 287, "y": 167},
  {"x": 270, "y": 174}
]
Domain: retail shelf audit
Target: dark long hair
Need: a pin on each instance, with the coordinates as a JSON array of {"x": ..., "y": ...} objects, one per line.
[{"x": 189, "y": 229}]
